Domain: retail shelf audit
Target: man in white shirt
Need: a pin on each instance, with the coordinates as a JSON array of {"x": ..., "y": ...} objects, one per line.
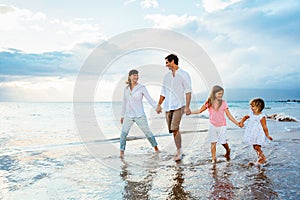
[{"x": 176, "y": 94}]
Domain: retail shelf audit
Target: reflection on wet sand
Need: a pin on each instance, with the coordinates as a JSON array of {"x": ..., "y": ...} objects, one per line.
[
  {"x": 135, "y": 189},
  {"x": 178, "y": 191},
  {"x": 261, "y": 186},
  {"x": 222, "y": 187}
]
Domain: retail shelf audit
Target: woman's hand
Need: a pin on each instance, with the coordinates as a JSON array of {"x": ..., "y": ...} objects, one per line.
[{"x": 121, "y": 120}]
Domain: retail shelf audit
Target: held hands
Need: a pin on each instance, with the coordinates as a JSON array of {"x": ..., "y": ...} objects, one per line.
[{"x": 241, "y": 124}]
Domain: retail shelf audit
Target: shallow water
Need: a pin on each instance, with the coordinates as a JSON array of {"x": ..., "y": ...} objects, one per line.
[{"x": 43, "y": 157}]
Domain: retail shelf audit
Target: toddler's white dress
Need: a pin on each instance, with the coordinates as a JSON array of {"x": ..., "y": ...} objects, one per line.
[{"x": 254, "y": 133}]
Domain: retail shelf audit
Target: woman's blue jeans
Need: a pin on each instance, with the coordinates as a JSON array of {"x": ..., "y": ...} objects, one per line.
[{"x": 142, "y": 124}]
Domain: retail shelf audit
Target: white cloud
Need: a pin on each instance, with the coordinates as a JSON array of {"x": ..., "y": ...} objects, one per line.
[
  {"x": 144, "y": 3},
  {"x": 149, "y": 4},
  {"x": 170, "y": 21},
  {"x": 126, "y": 2},
  {"x": 249, "y": 41},
  {"x": 216, "y": 5},
  {"x": 12, "y": 18},
  {"x": 43, "y": 34},
  {"x": 40, "y": 88}
]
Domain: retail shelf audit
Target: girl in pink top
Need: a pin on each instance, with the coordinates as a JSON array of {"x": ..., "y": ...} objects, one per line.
[{"x": 217, "y": 108}]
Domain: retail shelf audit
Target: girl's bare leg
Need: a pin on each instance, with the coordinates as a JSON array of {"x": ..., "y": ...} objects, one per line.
[
  {"x": 227, "y": 155},
  {"x": 213, "y": 149}
]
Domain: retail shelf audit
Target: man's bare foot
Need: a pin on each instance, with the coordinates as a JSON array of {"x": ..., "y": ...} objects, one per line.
[
  {"x": 156, "y": 149},
  {"x": 178, "y": 155}
]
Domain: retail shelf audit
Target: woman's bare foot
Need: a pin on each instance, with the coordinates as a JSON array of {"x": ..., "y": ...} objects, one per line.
[{"x": 121, "y": 154}]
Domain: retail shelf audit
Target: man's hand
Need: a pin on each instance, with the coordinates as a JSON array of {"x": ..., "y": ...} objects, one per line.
[
  {"x": 187, "y": 110},
  {"x": 158, "y": 109}
]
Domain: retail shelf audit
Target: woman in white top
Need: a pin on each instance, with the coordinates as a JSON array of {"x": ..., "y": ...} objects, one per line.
[{"x": 133, "y": 110}]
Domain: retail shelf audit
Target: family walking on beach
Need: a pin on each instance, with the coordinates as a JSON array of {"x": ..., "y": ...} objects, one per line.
[{"x": 175, "y": 97}]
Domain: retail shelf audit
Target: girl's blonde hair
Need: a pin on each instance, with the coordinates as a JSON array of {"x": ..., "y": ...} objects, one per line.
[
  {"x": 212, "y": 97},
  {"x": 131, "y": 72}
]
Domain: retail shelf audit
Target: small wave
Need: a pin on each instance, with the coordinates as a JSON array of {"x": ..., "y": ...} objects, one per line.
[
  {"x": 35, "y": 114},
  {"x": 281, "y": 117},
  {"x": 292, "y": 129}
]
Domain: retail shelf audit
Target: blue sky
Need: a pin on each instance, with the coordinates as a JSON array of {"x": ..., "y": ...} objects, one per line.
[{"x": 43, "y": 44}]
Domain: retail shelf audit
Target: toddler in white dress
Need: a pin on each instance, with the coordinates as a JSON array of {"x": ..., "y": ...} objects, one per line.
[{"x": 256, "y": 132}]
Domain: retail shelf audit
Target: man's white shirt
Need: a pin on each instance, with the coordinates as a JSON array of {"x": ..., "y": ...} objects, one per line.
[{"x": 174, "y": 89}]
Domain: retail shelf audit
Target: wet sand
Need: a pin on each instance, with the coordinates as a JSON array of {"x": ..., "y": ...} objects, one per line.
[
  {"x": 195, "y": 177},
  {"x": 65, "y": 169}
]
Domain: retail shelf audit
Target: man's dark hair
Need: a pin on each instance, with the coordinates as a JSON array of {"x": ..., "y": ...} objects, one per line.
[{"x": 172, "y": 57}]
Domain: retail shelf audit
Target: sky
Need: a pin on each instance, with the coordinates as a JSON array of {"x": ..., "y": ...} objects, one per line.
[{"x": 254, "y": 45}]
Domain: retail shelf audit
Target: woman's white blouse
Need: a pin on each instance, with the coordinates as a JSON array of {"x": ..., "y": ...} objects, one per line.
[{"x": 133, "y": 101}]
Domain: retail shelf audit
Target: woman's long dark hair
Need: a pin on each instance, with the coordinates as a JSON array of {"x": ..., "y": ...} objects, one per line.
[{"x": 133, "y": 71}]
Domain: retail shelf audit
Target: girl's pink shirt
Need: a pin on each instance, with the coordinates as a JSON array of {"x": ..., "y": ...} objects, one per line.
[{"x": 217, "y": 117}]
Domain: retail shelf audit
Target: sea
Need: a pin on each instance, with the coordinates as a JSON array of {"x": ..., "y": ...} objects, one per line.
[{"x": 47, "y": 152}]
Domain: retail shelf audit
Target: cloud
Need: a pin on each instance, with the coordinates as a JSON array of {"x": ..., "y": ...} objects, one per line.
[
  {"x": 28, "y": 88},
  {"x": 259, "y": 48},
  {"x": 37, "y": 28},
  {"x": 170, "y": 21},
  {"x": 149, "y": 4},
  {"x": 4, "y": 9},
  {"x": 216, "y": 5},
  {"x": 145, "y": 4},
  {"x": 13, "y": 18},
  {"x": 255, "y": 20},
  {"x": 15, "y": 62},
  {"x": 126, "y": 2}
]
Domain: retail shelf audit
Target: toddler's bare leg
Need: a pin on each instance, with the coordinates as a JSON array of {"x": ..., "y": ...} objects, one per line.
[{"x": 261, "y": 157}]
